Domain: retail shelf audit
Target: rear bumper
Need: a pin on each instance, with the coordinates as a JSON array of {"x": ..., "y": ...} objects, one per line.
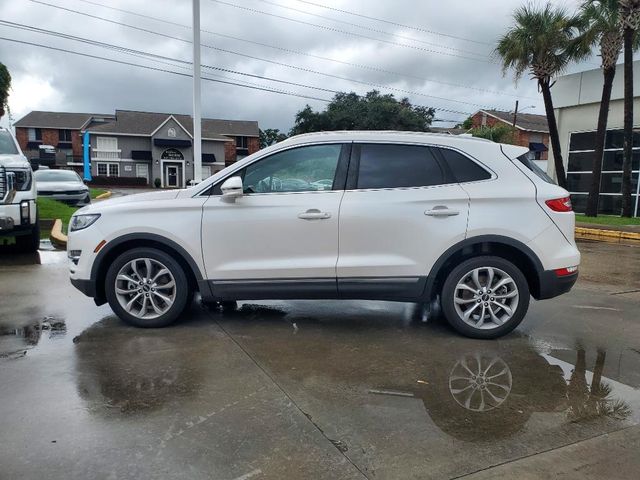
[{"x": 551, "y": 285}]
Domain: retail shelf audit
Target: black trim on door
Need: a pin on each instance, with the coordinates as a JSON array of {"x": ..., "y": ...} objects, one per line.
[
  {"x": 402, "y": 289},
  {"x": 340, "y": 177},
  {"x": 274, "y": 289}
]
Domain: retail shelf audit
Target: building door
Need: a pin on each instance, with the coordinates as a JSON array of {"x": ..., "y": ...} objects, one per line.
[
  {"x": 142, "y": 171},
  {"x": 171, "y": 176}
]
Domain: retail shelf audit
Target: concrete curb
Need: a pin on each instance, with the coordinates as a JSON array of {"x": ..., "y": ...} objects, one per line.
[
  {"x": 606, "y": 234},
  {"x": 58, "y": 239},
  {"x": 104, "y": 195}
]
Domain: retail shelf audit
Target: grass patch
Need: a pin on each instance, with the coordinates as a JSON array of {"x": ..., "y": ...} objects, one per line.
[
  {"x": 608, "y": 220},
  {"x": 48, "y": 208},
  {"x": 96, "y": 191}
]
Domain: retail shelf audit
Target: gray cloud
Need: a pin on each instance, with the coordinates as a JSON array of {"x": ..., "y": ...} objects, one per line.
[{"x": 48, "y": 80}]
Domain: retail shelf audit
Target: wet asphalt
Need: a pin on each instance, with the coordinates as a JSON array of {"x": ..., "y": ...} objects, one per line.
[{"x": 318, "y": 389}]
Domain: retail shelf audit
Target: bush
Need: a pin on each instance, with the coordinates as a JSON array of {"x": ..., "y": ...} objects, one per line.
[
  {"x": 120, "y": 181},
  {"x": 157, "y": 182}
]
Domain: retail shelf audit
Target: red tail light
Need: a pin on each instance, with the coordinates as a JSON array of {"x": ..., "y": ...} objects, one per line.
[
  {"x": 563, "y": 272},
  {"x": 560, "y": 204}
]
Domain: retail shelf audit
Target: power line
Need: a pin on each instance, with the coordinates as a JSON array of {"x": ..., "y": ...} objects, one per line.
[
  {"x": 371, "y": 29},
  {"x": 397, "y": 24},
  {"x": 370, "y": 84},
  {"x": 147, "y": 67},
  {"x": 310, "y": 55},
  {"x": 165, "y": 59},
  {"x": 345, "y": 32}
]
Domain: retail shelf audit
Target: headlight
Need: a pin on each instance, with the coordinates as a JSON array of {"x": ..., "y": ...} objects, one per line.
[{"x": 78, "y": 222}]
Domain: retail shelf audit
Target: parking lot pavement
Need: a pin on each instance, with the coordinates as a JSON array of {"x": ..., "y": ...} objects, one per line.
[{"x": 317, "y": 389}]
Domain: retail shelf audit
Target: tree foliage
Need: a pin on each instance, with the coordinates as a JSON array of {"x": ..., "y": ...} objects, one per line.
[
  {"x": 5, "y": 86},
  {"x": 498, "y": 133},
  {"x": 543, "y": 42},
  {"x": 349, "y": 111},
  {"x": 271, "y": 136}
]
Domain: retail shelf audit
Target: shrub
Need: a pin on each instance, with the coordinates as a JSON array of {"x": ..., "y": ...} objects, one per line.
[
  {"x": 157, "y": 182},
  {"x": 121, "y": 181}
]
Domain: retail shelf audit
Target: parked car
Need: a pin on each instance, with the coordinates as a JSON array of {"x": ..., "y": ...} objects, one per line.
[
  {"x": 62, "y": 185},
  {"x": 18, "y": 210},
  {"x": 467, "y": 224}
]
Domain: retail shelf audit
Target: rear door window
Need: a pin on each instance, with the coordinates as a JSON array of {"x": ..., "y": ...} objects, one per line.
[{"x": 397, "y": 166}]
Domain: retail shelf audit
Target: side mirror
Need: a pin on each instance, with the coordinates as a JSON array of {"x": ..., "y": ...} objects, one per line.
[{"x": 232, "y": 188}]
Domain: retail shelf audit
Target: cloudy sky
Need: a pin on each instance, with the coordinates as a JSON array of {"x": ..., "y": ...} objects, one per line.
[{"x": 443, "y": 61}]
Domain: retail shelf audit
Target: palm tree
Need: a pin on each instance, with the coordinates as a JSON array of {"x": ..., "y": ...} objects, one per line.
[
  {"x": 630, "y": 19},
  {"x": 602, "y": 28},
  {"x": 543, "y": 42}
]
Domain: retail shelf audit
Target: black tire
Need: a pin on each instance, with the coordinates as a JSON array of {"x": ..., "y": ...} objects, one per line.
[
  {"x": 29, "y": 243},
  {"x": 459, "y": 272},
  {"x": 183, "y": 294}
]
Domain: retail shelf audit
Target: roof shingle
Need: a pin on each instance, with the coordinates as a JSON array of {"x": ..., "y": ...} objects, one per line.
[{"x": 526, "y": 121}]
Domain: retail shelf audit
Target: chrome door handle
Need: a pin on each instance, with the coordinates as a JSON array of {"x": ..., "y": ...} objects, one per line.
[
  {"x": 314, "y": 214},
  {"x": 441, "y": 211}
]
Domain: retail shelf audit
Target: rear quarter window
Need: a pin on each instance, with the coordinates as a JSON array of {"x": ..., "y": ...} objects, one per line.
[
  {"x": 531, "y": 165},
  {"x": 462, "y": 168}
]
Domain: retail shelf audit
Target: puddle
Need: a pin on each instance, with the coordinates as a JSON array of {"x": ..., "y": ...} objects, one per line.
[{"x": 16, "y": 341}]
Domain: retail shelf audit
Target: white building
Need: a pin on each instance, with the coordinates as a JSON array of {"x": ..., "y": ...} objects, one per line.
[{"x": 577, "y": 101}]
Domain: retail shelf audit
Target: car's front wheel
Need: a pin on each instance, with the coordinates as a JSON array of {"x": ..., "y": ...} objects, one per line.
[
  {"x": 485, "y": 297},
  {"x": 147, "y": 287}
]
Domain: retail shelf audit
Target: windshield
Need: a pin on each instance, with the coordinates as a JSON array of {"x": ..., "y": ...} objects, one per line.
[
  {"x": 7, "y": 145},
  {"x": 531, "y": 165},
  {"x": 57, "y": 176}
]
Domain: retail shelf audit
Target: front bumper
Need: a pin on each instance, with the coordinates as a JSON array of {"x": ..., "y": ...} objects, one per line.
[
  {"x": 552, "y": 285},
  {"x": 11, "y": 221},
  {"x": 85, "y": 286}
]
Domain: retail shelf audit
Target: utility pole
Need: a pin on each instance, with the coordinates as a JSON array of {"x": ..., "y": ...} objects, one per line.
[
  {"x": 515, "y": 115},
  {"x": 197, "y": 113}
]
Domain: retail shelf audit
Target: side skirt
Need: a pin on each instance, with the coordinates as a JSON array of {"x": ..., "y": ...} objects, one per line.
[{"x": 402, "y": 289}]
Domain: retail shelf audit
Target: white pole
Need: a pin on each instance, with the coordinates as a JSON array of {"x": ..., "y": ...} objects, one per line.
[{"x": 197, "y": 123}]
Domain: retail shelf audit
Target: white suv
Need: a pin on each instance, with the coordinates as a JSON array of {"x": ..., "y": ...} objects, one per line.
[{"x": 468, "y": 224}]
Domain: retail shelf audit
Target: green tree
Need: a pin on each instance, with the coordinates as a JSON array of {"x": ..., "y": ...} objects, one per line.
[
  {"x": 601, "y": 28},
  {"x": 349, "y": 111},
  {"x": 542, "y": 42},
  {"x": 271, "y": 136},
  {"x": 498, "y": 133},
  {"x": 630, "y": 20},
  {"x": 5, "y": 86}
]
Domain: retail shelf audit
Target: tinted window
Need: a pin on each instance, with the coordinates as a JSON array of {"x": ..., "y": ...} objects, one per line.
[
  {"x": 580, "y": 162},
  {"x": 57, "y": 176},
  {"x": 7, "y": 147},
  {"x": 396, "y": 166},
  {"x": 463, "y": 168},
  {"x": 301, "y": 169},
  {"x": 531, "y": 165},
  {"x": 582, "y": 141}
]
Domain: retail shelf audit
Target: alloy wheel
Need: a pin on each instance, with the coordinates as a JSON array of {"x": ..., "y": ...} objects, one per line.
[
  {"x": 145, "y": 288},
  {"x": 486, "y": 298}
]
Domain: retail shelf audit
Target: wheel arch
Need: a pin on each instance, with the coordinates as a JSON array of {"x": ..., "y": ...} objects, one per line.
[
  {"x": 496, "y": 245},
  {"x": 121, "y": 244}
]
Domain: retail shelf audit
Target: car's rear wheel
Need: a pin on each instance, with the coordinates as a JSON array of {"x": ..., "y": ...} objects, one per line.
[
  {"x": 485, "y": 297},
  {"x": 146, "y": 287}
]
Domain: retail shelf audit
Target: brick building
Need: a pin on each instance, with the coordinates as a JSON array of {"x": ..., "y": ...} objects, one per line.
[
  {"x": 135, "y": 144},
  {"x": 532, "y": 131}
]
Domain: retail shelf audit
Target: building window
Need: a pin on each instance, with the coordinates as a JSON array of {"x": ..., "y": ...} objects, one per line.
[
  {"x": 242, "y": 143},
  {"x": 579, "y": 171},
  {"x": 64, "y": 135},
  {"x": 108, "y": 169},
  {"x": 35, "y": 135}
]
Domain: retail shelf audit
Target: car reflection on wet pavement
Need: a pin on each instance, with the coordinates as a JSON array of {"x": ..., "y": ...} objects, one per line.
[{"x": 298, "y": 389}]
